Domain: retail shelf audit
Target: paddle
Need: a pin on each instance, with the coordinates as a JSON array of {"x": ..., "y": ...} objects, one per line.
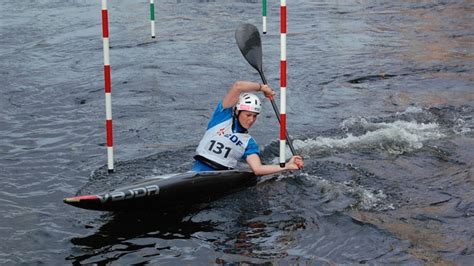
[{"x": 248, "y": 40}]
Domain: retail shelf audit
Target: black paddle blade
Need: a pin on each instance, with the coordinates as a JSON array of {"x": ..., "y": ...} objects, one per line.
[{"x": 248, "y": 40}]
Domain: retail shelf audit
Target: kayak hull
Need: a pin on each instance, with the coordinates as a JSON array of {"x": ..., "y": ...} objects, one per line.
[{"x": 179, "y": 190}]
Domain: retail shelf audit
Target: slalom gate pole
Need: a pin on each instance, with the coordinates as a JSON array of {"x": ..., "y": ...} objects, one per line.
[
  {"x": 264, "y": 16},
  {"x": 282, "y": 82},
  {"x": 152, "y": 17},
  {"x": 107, "y": 87}
]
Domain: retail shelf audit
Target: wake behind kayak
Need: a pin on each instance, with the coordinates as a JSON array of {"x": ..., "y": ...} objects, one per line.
[{"x": 166, "y": 192}]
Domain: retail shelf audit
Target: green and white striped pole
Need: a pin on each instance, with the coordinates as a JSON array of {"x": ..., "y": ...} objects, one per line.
[
  {"x": 152, "y": 17},
  {"x": 264, "y": 16}
]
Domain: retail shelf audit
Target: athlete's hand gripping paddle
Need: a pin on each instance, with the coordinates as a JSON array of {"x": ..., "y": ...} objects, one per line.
[{"x": 248, "y": 40}]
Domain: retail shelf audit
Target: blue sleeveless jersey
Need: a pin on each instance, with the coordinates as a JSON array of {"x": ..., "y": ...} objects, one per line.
[{"x": 225, "y": 141}]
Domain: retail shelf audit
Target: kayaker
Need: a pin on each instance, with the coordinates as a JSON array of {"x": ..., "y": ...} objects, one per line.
[{"x": 227, "y": 141}]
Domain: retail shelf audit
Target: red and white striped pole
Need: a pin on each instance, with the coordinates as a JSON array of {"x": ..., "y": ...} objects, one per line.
[
  {"x": 108, "y": 87},
  {"x": 282, "y": 82}
]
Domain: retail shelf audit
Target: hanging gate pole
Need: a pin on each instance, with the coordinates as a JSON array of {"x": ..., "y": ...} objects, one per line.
[
  {"x": 264, "y": 16},
  {"x": 107, "y": 87},
  {"x": 282, "y": 82},
  {"x": 152, "y": 17}
]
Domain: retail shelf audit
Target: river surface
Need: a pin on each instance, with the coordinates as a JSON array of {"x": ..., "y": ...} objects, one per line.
[{"x": 380, "y": 105}]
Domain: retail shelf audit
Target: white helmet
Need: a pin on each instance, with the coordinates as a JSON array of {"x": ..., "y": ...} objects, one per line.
[{"x": 249, "y": 102}]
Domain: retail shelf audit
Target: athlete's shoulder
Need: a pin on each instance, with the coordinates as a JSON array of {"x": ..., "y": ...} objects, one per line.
[
  {"x": 220, "y": 115},
  {"x": 252, "y": 141},
  {"x": 252, "y": 147}
]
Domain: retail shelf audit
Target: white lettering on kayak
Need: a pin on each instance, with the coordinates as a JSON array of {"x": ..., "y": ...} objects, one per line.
[{"x": 130, "y": 194}]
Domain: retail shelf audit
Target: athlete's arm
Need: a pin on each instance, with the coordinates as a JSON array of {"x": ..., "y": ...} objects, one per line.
[
  {"x": 295, "y": 163},
  {"x": 232, "y": 96}
]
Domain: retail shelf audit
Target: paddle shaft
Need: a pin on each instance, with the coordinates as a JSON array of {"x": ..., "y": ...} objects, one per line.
[{"x": 277, "y": 112}]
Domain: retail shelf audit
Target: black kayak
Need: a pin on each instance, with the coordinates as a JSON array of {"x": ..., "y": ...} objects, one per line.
[{"x": 167, "y": 192}]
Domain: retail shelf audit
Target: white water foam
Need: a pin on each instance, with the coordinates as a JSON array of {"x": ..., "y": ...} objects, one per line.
[
  {"x": 411, "y": 110},
  {"x": 394, "y": 137},
  {"x": 463, "y": 125},
  {"x": 363, "y": 198}
]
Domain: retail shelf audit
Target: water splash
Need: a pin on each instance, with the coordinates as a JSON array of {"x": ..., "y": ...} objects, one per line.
[
  {"x": 339, "y": 196},
  {"x": 396, "y": 137}
]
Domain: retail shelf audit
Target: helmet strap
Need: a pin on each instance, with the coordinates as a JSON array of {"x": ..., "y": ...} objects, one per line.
[{"x": 236, "y": 118}]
